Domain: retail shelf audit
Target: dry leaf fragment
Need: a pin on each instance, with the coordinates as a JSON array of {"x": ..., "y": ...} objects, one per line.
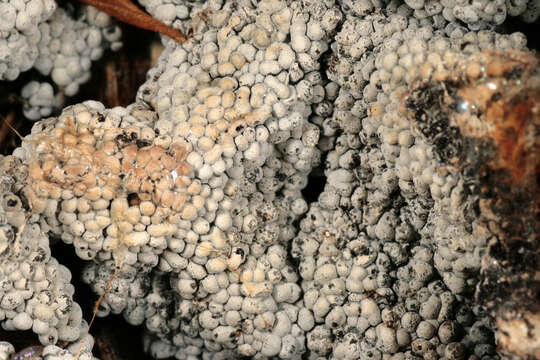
[{"x": 126, "y": 11}]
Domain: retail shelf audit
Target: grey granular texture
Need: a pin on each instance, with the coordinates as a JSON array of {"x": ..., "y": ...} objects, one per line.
[
  {"x": 79, "y": 350},
  {"x": 68, "y": 46},
  {"x": 20, "y": 34},
  {"x": 190, "y": 203},
  {"x": 35, "y": 289}
]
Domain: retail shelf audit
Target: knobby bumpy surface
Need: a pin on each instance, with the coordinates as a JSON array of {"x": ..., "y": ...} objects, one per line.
[{"x": 193, "y": 208}]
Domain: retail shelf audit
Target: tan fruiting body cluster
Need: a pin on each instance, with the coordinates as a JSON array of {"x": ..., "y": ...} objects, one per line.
[
  {"x": 96, "y": 161},
  {"x": 110, "y": 184}
]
